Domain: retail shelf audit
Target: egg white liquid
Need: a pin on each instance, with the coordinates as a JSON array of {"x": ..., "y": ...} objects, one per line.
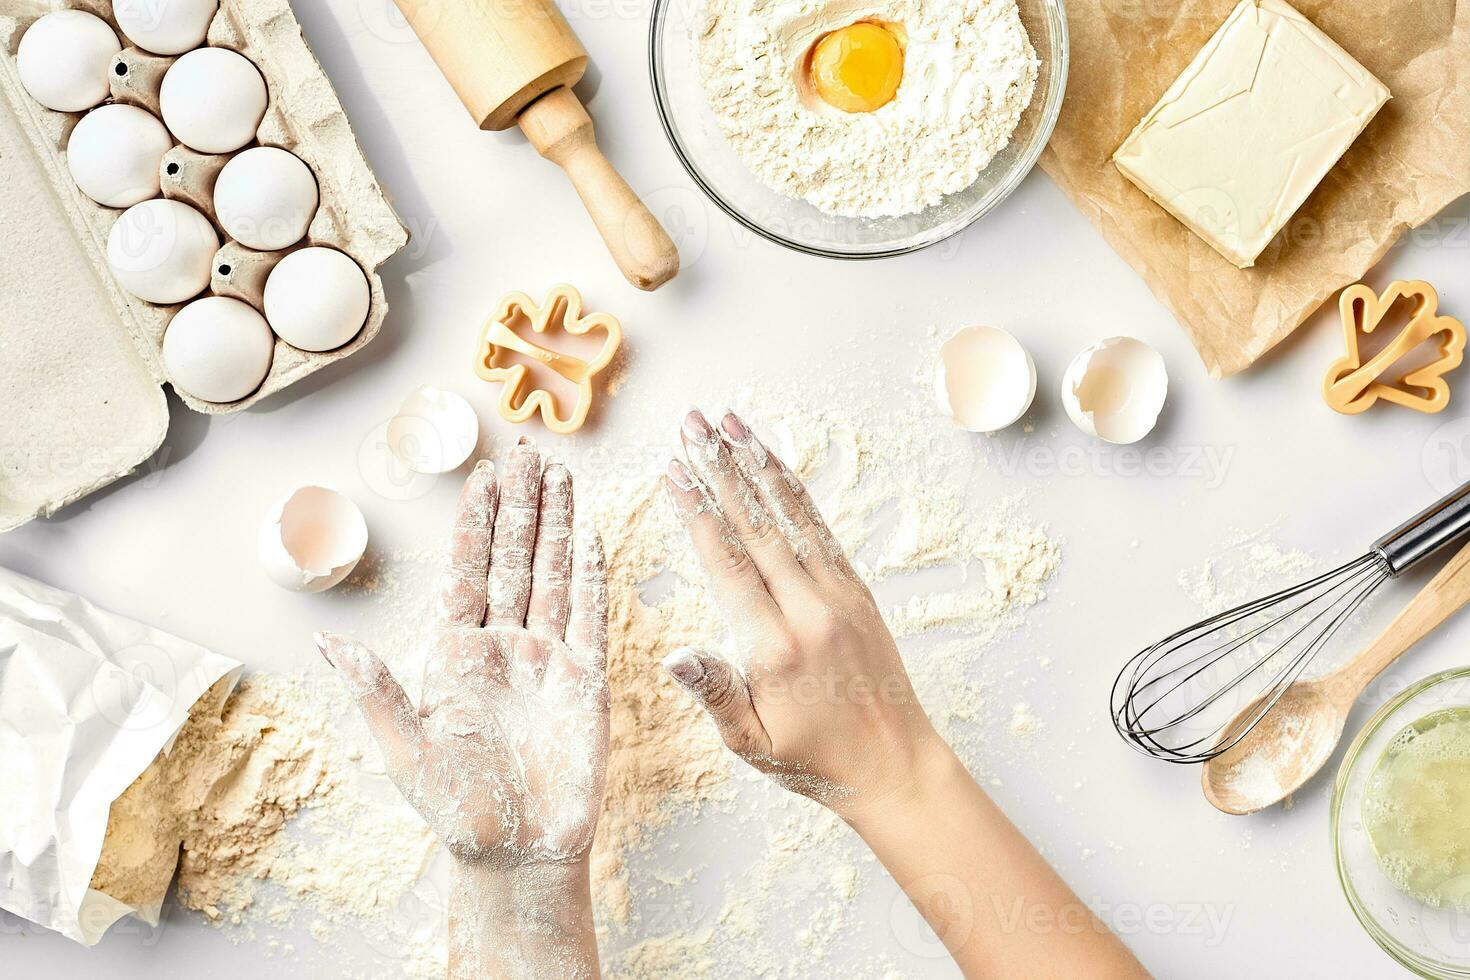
[{"x": 1417, "y": 810}]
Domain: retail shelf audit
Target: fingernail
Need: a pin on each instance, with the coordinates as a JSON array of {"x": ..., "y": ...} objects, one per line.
[
  {"x": 357, "y": 666},
  {"x": 681, "y": 476},
  {"x": 685, "y": 667},
  {"x": 556, "y": 478},
  {"x": 323, "y": 641},
  {"x": 697, "y": 428},
  {"x": 735, "y": 428}
]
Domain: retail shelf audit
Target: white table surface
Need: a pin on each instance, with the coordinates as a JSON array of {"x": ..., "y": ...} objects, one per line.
[{"x": 175, "y": 545}]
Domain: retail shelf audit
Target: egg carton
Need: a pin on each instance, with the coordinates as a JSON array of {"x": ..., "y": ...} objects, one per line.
[{"x": 55, "y": 284}]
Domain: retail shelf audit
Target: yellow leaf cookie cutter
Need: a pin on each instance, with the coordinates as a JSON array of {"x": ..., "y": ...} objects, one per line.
[
  {"x": 1352, "y": 386},
  {"x": 562, "y": 310}
]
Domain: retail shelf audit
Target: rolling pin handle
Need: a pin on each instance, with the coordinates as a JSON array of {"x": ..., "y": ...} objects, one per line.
[{"x": 561, "y": 131}]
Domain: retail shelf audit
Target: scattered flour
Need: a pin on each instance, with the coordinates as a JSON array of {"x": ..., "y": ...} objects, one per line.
[
  {"x": 273, "y": 809},
  {"x": 1249, "y": 564},
  {"x": 895, "y": 494}
]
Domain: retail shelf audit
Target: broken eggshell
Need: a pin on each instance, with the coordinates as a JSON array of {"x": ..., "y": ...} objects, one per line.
[
  {"x": 435, "y": 431},
  {"x": 1115, "y": 389},
  {"x": 312, "y": 540},
  {"x": 985, "y": 380}
]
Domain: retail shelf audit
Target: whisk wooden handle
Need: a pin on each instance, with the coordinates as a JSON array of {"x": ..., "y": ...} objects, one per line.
[
  {"x": 560, "y": 129},
  {"x": 1445, "y": 594}
]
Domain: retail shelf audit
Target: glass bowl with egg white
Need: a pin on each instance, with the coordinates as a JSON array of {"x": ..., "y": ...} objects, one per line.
[
  {"x": 1401, "y": 826},
  {"x": 857, "y": 129}
]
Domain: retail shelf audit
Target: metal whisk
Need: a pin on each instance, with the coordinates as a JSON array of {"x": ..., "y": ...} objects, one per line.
[{"x": 1195, "y": 695}]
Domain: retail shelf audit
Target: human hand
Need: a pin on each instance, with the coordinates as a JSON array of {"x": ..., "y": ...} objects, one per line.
[
  {"x": 506, "y": 756},
  {"x": 825, "y": 706}
]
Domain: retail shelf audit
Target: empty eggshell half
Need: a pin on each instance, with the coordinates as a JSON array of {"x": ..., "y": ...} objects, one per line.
[
  {"x": 985, "y": 379},
  {"x": 63, "y": 59},
  {"x": 165, "y": 26},
  {"x": 115, "y": 152},
  {"x": 312, "y": 540},
  {"x": 1115, "y": 389},
  {"x": 213, "y": 100},
  {"x": 435, "y": 431}
]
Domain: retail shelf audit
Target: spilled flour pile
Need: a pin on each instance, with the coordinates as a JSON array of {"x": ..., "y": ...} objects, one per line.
[
  {"x": 219, "y": 801},
  {"x": 276, "y": 821}
]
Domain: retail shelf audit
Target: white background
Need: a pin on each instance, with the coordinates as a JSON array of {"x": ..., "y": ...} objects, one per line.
[{"x": 175, "y": 545}]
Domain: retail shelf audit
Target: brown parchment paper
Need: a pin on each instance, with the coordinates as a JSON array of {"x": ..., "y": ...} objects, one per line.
[{"x": 1406, "y": 167}]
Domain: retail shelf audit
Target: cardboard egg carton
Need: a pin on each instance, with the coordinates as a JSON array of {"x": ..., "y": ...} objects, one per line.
[{"x": 80, "y": 359}]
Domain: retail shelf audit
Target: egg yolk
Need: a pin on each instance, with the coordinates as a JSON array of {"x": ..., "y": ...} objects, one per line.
[{"x": 857, "y": 68}]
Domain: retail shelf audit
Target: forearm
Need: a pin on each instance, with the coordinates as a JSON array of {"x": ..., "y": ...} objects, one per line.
[
  {"x": 529, "y": 922},
  {"x": 984, "y": 890}
]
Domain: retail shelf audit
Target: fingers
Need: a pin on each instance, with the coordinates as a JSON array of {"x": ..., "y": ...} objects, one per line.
[
  {"x": 551, "y": 565},
  {"x": 462, "y": 600},
  {"x": 736, "y": 583},
  {"x": 754, "y": 527},
  {"x": 721, "y": 691},
  {"x": 514, "y": 540},
  {"x": 587, "y": 625},
  {"x": 786, "y": 497},
  {"x": 389, "y": 714}
]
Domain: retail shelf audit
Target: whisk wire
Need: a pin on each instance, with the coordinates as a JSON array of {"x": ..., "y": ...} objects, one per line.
[
  {"x": 1227, "y": 736},
  {"x": 1168, "y": 669},
  {"x": 1249, "y": 637}
]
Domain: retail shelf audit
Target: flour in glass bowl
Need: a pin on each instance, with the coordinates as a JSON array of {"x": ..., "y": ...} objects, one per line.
[{"x": 969, "y": 73}]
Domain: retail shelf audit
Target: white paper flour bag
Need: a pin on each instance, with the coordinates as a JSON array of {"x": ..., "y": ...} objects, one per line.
[{"x": 87, "y": 701}]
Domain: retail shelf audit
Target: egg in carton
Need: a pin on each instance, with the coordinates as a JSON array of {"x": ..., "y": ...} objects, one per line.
[{"x": 56, "y": 287}]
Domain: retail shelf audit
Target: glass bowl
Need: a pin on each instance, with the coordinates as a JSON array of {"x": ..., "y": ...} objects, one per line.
[
  {"x": 707, "y": 155},
  {"x": 1431, "y": 942}
]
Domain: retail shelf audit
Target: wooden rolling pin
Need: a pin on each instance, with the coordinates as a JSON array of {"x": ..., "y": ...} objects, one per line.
[{"x": 515, "y": 62}]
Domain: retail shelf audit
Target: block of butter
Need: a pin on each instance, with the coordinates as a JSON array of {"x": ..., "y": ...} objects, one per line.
[{"x": 1250, "y": 128}]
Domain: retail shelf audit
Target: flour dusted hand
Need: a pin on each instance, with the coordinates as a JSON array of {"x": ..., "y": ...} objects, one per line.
[
  {"x": 506, "y": 757},
  {"x": 825, "y": 706}
]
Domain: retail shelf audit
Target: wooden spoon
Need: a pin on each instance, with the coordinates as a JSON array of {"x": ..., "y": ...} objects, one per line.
[{"x": 1295, "y": 740}]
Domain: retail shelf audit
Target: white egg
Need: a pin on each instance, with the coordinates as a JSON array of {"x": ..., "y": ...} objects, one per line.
[
  {"x": 64, "y": 58},
  {"x": 435, "y": 431},
  {"x": 114, "y": 154},
  {"x": 985, "y": 379},
  {"x": 265, "y": 198},
  {"x": 218, "y": 349},
  {"x": 162, "y": 251},
  {"x": 312, "y": 540},
  {"x": 213, "y": 100},
  {"x": 165, "y": 26},
  {"x": 1116, "y": 389},
  {"x": 316, "y": 299}
]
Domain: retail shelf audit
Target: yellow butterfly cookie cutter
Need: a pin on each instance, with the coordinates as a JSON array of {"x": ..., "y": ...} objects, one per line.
[
  {"x": 1352, "y": 386},
  {"x": 562, "y": 311}
]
